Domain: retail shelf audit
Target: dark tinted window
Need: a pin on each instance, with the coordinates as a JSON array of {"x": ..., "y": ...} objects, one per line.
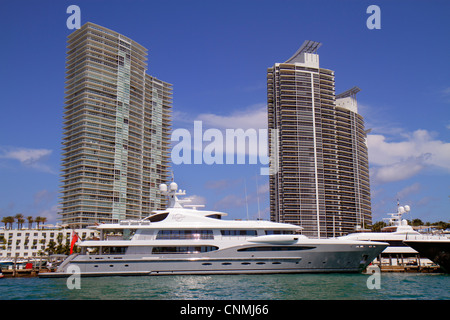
[
  {"x": 158, "y": 217},
  {"x": 276, "y": 248}
]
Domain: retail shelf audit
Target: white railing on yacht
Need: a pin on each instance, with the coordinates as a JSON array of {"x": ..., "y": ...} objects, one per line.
[{"x": 425, "y": 237}]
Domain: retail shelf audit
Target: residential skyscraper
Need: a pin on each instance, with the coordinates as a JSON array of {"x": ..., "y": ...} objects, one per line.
[
  {"x": 322, "y": 183},
  {"x": 117, "y": 123}
]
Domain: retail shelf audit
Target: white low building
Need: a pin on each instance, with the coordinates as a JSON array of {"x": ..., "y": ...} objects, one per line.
[{"x": 28, "y": 243}]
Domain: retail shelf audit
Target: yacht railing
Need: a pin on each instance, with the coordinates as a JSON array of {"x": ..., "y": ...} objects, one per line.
[{"x": 425, "y": 237}]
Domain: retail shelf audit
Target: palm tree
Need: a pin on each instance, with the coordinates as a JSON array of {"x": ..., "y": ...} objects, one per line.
[
  {"x": 10, "y": 221},
  {"x": 20, "y": 220},
  {"x": 5, "y": 221},
  {"x": 43, "y": 220},
  {"x": 38, "y": 220},
  {"x": 30, "y": 221}
]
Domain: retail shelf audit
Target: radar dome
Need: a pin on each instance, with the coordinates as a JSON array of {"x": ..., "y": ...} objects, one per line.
[
  {"x": 163, "y": 187},
  {"x": 173, "y": 186},
  {"x": 407, "y": 208}
]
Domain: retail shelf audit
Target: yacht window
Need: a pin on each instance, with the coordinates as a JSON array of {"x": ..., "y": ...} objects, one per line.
[
  {"x": 215, "y": 216},
  {"x": 158, "y": 217},
  {"x": 238, "y": 232},
  {"x": 114, "y": 250},
  {"x": 185, "y": 234},
  {"x": 146, "y": 232},
  {"x": 184, "y": 249},
  {"x": 276, "y": 248},
  {"x": 269, "y": 232},
  {"x": 119, "y": 234}
]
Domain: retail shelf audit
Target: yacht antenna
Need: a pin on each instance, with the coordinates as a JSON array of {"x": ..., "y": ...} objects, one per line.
[
  {"x": 246, "y": 202},
  {"x": 257, "y": 196}
]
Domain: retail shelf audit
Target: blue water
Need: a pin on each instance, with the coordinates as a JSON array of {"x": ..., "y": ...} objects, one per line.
[{"x": 233, "y": 287}]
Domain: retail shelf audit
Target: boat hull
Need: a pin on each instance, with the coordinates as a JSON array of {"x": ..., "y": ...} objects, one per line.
[
  {"x": 323, "y": 258},
  {"x": 435, "y": 250}
]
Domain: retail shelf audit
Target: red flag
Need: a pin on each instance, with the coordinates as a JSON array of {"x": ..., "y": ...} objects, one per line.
[{"x": 74, "y": 240}]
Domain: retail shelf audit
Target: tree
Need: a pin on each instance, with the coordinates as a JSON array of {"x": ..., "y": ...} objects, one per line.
[
  {"x": 5, "y": 220},
  {"x": 377, "y": 226},
  {"x": 20, "y": 220},
  {"x": 416, "y": 222},
  {"x": 38, "y": 220},
  {"x": 441, "y": 225},
  {"x": 30, "y": 222},
  {"x": 51, "y": 248},
  {"x": 8, "y": 220}
]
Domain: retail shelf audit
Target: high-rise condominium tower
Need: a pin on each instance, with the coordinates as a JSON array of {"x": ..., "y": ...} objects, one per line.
[
  {"x": 323, "y": 179},
  {"x": 116, "y": 130}
]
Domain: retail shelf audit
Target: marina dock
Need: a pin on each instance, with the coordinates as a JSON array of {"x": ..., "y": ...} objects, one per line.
[
  {"x": 23, "y": 273},
  {"x": 412, "y": 269}
]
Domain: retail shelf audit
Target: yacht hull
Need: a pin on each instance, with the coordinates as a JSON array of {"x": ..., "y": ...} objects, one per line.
[
  {"x": 437, "y": 251},
  {"x": 319, "y": 258}
]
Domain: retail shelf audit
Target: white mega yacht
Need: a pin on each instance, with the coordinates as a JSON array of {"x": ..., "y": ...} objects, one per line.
[
  {"x": 400, "y": 236},
  {"x": 185, "y": 240}
]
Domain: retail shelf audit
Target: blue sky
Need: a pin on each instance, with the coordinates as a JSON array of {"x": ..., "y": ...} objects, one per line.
[{"x": 216, "y": 54}]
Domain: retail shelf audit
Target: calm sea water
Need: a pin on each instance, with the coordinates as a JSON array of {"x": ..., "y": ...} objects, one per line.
[{"x": 393, "y": 286}]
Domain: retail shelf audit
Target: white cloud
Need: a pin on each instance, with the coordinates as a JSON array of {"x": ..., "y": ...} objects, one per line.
[
  {"x": 240, "y": 137},
  {"x": 31, "y": 158},
  {"x": 397, "y": 171},
  {"x": 405, "y": 192},
  {"x": 395, "y": 161},
  {"x": 255, "y": 117}
]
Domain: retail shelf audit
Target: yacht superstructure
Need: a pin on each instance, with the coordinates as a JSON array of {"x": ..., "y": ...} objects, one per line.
[{"x": 185, "y": 240}]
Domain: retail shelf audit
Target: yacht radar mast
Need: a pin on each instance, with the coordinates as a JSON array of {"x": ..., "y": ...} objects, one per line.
[
  {"x": 172, "y": 193},
  {"x": 396, "y": 218}
]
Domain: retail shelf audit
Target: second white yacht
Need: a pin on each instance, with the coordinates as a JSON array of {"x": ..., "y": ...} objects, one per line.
[
  {"x": 399, "y": 235},
  {"x": 185, "y": 240}
]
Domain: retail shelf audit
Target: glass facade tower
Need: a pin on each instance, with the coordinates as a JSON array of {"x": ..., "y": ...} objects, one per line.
[
  {"x": 116, "y": 130},
  {"x": 323, "y": 179}
]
